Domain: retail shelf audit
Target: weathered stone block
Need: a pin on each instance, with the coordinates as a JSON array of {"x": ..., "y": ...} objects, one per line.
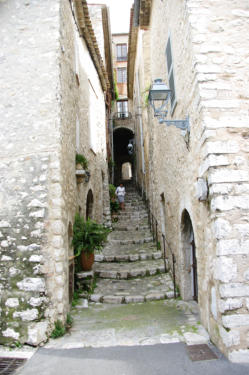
[
  {"x": 230, "y": 304},
  {"x": 229, "y": 338},
  {"x": 12, "y": 302},
  {"x": 37, "y": 333},
  {"x": 9, "y": 332},
  {"x": 32, "y": 284},
  {"x": 222, "y": 228},
  {"x": 227, "y": 175},
  {"x": 27, "y": 315},
  {"x": 239, "y": 356},
  {"x": 234, "y": 290},
  {"x": 223, "y": 203},
  {"x": 230, "y": 247},
  {"x": 220, "y": 147}
]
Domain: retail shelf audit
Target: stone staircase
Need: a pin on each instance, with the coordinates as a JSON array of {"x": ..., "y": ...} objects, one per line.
[{"x": 130, "y": 268}]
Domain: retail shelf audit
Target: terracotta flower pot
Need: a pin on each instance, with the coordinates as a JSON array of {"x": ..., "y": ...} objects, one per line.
[{"x": 87, "y": 261}]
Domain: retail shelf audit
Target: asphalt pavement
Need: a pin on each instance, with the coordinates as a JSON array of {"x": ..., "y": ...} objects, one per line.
[{"x": 161, "y": 359}]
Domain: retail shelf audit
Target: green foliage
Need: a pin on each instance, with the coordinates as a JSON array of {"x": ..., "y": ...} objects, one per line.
[
  {"x": 88, "y": 235},
  {"x": 158, "y": 245},
  {"x": 112, "y": 190},
  {"x": 18, "y": 344},
  {"x": 59, "y": 330},
  {"x": 145, "y": 94},
  {"x": 115, "y": 86},
  {"x": 80, "y": 159},
  {"x": 114, "y": 206},
  {"x": 75, "y": 298},
  {"x": 69, "y": 321}
]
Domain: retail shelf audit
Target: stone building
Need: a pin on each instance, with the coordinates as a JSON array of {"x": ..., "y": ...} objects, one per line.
[
  {"x": 56, "y": 92},
  {"x": 122, "y": 121},
  {"x": 197, "y": 181}
]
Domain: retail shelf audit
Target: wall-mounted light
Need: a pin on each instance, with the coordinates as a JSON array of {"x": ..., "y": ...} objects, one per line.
[
  {"x": 159, "y": 96},
  {"x": 130, "y": 147}
]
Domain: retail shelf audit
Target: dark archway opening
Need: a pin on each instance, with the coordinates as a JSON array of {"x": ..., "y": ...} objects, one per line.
[
  {"x": 189, "y": 282},
  {"x": 121, "y": 139},
  {"x": 89, "y": 205}
]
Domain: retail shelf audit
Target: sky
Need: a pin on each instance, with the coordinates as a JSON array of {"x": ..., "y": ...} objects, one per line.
[{"x": 119, "y": 14}]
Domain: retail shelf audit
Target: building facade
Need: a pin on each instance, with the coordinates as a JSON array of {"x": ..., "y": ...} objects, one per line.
[
  {"x": 122, "y": 120},
  {"x": 54, "y": 104},
  {"x": 197, "y": 181}
]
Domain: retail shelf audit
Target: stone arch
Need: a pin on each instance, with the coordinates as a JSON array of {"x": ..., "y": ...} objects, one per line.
[
  {"x": 121, "y": 138},
  {"x": 89, "y": 205},
  {"x": 188, "y": 269}
]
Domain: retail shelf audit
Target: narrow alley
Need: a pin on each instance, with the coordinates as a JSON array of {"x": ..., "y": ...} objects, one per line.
[{"x": 124, "y": 187}]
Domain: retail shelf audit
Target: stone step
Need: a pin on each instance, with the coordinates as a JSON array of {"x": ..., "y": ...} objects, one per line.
[
  {"x": 128, "y": 257},
  {"x": 134, "y": 217},
  {"x": 145, "y": 250},
  {"x": 111, "y": 270},
  {"x": 124, "y": 227},
  {"x": 133, "y": 290},
  {"x": 131, "y": 241},
  {"x": 132, "y": 235}
]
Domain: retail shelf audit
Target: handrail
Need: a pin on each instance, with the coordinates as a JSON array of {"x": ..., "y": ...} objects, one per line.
[
  {"x": 173, "y": 261},
  {"x": 153, "y": 224}
]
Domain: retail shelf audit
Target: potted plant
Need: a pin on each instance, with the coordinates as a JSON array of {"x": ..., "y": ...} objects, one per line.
[
  {"x": 88, "y": 236},
  {"x": 81, "y": 168},
  {"x": 81, "y": 161}
]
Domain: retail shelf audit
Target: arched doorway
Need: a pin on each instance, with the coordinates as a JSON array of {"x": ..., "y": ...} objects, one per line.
[
  {"x": 189, "y": 281},
  {"x": 121, "y": 138},
  {"x": 126, "y": 171},
  {"x": 89, "y": 205}
]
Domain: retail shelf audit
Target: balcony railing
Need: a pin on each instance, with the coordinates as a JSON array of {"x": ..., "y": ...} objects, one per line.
[
  {"x": 122, "y": 58},
  {"x": 122, "y": 116}
]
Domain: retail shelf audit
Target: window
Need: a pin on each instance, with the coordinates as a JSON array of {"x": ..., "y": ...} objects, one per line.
[
  {"x": 171, "y": 75},
  {"x": 121, "y": 52},
  {"x": 122, "y": 109},
  {"x": 121, "y": 75}
]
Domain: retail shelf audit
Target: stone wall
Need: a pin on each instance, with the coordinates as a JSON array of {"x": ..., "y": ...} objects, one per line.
[
  {"x": 45, "y": 110},
  {"x": 210, "y": 70},
  {"x": 30, "y": 108}
]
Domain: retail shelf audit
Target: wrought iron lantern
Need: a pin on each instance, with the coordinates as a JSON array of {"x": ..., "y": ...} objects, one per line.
[{"x": 159, "y": 96}]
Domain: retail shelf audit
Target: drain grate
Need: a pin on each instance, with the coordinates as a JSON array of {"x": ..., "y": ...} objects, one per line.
[
  {"x": 9, "y": 365},
  {"x": 200, "y": 353}
]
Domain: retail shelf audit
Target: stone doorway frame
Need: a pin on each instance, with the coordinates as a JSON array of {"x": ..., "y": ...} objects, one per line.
[{"x": 188, "y": 269}]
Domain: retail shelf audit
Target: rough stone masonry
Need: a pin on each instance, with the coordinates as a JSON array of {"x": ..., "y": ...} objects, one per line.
[{"x": 39, "y": 110}]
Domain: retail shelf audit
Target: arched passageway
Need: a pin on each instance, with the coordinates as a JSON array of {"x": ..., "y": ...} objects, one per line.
[
  {"x": 189, "y": 281},
  {"x": 121, "y": 139}
]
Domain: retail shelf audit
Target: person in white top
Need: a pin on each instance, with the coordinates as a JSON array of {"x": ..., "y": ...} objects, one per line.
[{"x": 120, "y": 193}]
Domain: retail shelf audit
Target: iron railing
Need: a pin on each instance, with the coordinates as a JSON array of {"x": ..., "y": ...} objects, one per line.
[
  {"x": 173, "y": 261},
  {"x": 153, "y": 224},
  {"x": 122, "y": 116}
]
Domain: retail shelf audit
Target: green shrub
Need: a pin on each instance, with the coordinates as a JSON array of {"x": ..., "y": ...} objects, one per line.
[
  {"x": 80, "y": 159},
  {"x": 112, "y": 190}
]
